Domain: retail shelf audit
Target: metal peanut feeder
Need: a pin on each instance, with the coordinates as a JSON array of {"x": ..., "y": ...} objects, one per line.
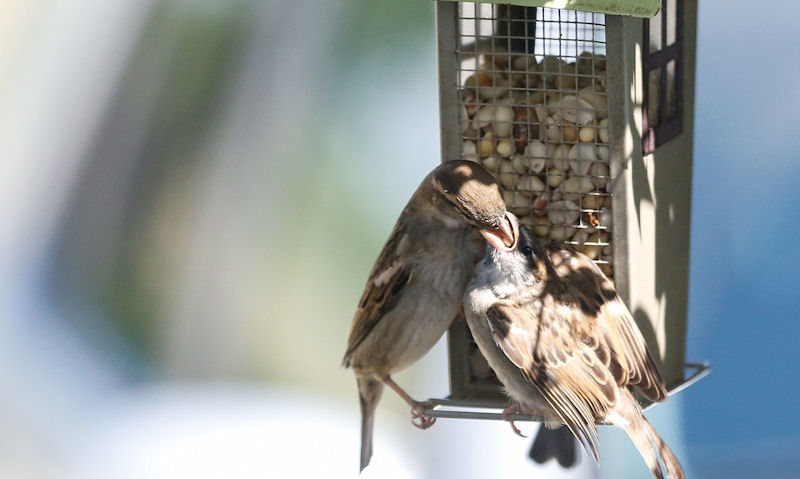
[{"x": 584, "y": 114}]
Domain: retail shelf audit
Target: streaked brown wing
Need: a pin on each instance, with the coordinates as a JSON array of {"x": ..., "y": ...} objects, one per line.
[
  {"x": 620, "y": 344},
  {"x": 385, "y": 285},
  {"x": 541, "y": 338}
]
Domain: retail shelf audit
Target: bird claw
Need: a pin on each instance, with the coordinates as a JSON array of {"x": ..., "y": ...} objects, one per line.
[
  {"x": 507, "y": 412},
  {"x": 418, "y": 416}
]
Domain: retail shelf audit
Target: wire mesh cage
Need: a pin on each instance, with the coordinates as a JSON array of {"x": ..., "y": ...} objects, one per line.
[
  {"x": 537, "y": 96},
  {"x": 532, "y": 89}
]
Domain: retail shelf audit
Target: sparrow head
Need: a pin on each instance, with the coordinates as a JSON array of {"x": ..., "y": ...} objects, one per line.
[
  {"x": 471, "y": 193},
  {"x": 521, "y": 262}
]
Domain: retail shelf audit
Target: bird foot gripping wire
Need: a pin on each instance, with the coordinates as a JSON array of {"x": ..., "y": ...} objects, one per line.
[
  {"x": 418, "y": 416},
  {"x": 510, "y": 411}
]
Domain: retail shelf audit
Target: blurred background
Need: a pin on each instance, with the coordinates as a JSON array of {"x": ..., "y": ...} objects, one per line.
[{"x": 193, "y": 192}]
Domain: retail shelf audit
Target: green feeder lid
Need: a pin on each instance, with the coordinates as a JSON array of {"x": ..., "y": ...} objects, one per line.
[{"x": 634, "y": 8}]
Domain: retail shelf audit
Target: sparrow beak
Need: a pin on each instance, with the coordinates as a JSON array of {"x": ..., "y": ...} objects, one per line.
[{"x": 505, "y": 237}]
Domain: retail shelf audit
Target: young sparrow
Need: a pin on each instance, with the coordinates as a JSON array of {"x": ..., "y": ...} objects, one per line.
[
  {"x": 564, "y": 345},
  {"x": 416, "y": 287}
]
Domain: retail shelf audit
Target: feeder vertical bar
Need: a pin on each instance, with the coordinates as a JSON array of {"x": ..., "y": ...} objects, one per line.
[{"x": 449, "y": 106}]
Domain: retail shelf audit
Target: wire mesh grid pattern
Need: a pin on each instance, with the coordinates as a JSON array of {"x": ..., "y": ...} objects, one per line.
[{"x": 532, "y": 93}]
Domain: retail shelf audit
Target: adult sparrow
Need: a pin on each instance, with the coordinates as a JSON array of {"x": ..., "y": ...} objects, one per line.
[
  {"x": 416, "y": 287},
  {"x": 564, "y": 345}
]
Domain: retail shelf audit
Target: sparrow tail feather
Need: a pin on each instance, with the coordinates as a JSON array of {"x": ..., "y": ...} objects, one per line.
[
  {"x": 369, "y": 393},
  {"x": 639, "y": 436},
  {"x": 647, "y": 440},
  {"x": 674, "y": 470}
]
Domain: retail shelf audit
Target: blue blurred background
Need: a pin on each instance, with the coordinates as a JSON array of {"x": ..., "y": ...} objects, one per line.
[{"x": 192, "y": 193}]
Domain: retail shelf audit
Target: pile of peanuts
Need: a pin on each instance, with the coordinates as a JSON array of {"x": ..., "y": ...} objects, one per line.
[{"x": 542, "y": 128}]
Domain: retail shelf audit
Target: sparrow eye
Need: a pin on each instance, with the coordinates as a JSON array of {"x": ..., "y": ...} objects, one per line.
[{"x": 527, "y": 251}]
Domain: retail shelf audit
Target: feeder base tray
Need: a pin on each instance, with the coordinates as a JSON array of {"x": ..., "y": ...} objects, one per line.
[{"x": 472, "y": 409}]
